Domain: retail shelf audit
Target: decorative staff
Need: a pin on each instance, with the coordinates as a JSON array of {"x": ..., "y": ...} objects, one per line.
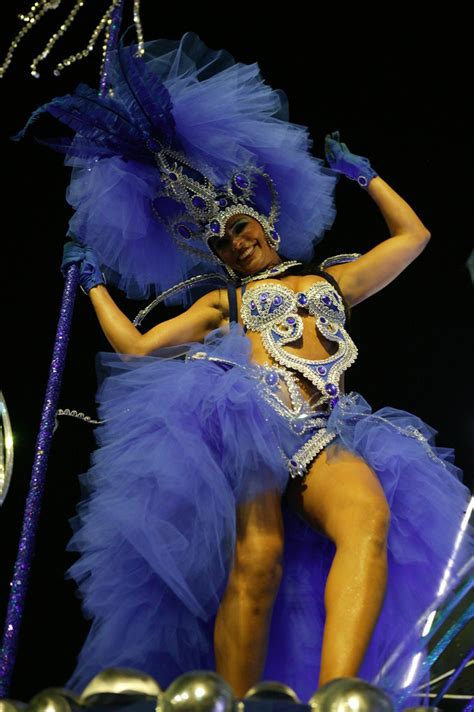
[{"x": 111, "y": 22}]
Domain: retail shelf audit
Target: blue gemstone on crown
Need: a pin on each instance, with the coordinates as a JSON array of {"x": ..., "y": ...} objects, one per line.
[
  {"x": 208, "y": 204},
  {"x": 241, "y": 181},
  {"x": 184, "y": 231},
  {"x": 277, "y": 300},
  {"x": 264, "y": 297},
  {"x": 198, "y": 202},
  {"x": 290, "y": 320},
  {"x": 322, "y": 320},
  {"x": 333, "y": 402},
  {"x": 322, "y": 370},
  {"x": 327, "y": 300},
  {"x": 302, "y": 298},
  {"x": 331, "y": 389}
]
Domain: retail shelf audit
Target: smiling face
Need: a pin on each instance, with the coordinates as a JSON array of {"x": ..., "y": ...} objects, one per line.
[{"x": 244, "y": 247}]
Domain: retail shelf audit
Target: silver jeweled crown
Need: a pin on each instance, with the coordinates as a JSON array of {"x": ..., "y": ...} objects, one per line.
[{"x": 205, "y": 207}]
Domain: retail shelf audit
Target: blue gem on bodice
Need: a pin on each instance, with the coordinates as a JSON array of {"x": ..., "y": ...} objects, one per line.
[
  {"x": 329, "y": 303},
  {"x": 271, "y": 378},
  {"x": 296, "y": 468},
  {"x": 273, "y": 310},
  {"x": 297, "y": 426}
]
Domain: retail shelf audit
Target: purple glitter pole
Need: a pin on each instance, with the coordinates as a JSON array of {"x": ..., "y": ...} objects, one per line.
[
  {"x": 26, "y": 548},
  {"x": 23, "y": 562}
]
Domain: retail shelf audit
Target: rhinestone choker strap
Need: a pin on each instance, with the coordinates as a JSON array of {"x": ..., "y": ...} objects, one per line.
[{"x": 271, "y": 271}]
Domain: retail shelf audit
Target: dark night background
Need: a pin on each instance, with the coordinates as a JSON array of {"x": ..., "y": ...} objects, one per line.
[{"x": 397, "y": 95}]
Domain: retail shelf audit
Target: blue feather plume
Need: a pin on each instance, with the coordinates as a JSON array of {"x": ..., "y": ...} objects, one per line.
[
  {"x": 139, "y": 108},
  {"x": 141, "y": 92}
]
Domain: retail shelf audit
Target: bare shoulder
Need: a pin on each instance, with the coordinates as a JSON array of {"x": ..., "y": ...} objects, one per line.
[
  {"x": 337, "y": 271},
  {"x": 340, "y": 274}
]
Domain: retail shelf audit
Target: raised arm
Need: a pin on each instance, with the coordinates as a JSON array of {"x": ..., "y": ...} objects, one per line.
[
  {"x": 383, "y": 263},
  {"x": 192, "y": 325},
  {"x": 206, "y": 314}
]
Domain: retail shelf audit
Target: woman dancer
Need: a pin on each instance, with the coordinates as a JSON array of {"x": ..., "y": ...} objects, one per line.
[{"x": 242, "y": 512}]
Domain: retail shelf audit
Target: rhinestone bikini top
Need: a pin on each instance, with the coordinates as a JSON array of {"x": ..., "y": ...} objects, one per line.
[{"x": 272, "y": 310}]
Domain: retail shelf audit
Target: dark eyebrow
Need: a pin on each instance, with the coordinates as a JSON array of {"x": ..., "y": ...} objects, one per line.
[{"x": 241, "y": 217}]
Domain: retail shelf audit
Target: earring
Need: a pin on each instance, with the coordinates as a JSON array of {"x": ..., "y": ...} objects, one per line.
[{"x": 273, "y": 238}]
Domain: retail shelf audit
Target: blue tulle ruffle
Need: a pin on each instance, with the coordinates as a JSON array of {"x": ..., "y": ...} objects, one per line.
[
  {"x": 184, "y": 442},
  {"x": 224, "y": 116}
]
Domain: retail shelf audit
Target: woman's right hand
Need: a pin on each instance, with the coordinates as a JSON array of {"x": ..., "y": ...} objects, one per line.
[
  {"x": 90, "y": 273},
  {"x": 203, "y": 316}
]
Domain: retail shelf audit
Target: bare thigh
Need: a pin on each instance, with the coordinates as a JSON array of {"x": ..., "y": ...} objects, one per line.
[
  {"x": 260, "y": 534},
  {"x": 340, "y": 496}
]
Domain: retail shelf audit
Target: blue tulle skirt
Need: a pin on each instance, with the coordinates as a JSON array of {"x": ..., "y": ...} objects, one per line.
[{"x": 185, "y": 440}]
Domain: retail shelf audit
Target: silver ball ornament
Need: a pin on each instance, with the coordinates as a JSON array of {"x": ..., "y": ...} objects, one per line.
[
  {"x": 7, "y": 705},
  {"x": 51, "y": 699},
  {"x": 119, "y": 681},
  {"x": 346, "y": 694},
  {"x": 271, "y": 690},
  {"x": 197, "y": 691}
]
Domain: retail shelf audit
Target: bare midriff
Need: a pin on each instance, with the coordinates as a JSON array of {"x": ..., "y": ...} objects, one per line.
[{"x": 312, "y": 345}]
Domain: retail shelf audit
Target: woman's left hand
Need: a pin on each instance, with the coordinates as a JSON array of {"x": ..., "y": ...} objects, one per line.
[{"x": 343, "y": 161}]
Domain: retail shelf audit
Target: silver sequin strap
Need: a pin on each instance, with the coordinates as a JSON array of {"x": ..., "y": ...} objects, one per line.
[{"x": 339, "y": 259}]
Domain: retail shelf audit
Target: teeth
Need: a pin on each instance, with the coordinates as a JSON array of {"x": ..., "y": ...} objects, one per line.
[{"x": 247, "y": 253}]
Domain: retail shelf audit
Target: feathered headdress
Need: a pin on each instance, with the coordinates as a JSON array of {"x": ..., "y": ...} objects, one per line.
[{"x": 185, "y": 138}]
